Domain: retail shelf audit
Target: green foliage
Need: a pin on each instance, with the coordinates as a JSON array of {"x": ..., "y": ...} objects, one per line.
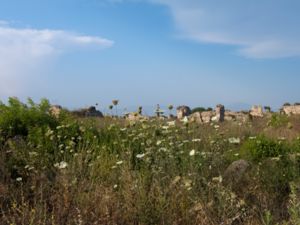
[
  {"x": 294, "y": 203},
  {"x": 17, "y": 118},
  {"x": 201, "y": 109},
  {"x": 262, "y": 147},
  {"x": 147, "y": 172},
  {"x": 278, "y": 120}
]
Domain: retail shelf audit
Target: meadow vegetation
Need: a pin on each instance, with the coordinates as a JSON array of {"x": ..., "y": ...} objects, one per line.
[{"x": 73, "y": 170}]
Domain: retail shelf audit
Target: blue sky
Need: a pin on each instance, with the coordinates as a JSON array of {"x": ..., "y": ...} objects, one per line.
[{"x": 144, "y": 52}]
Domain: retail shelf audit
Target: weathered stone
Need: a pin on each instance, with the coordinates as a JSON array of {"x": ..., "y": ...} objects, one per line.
[
  {"x": 203, "y": 117},
  {"x": 236, "y": 116},
  {"x": 183, "y": 111},
  {"x": 196, "y": 117},
  {"x": 291, "y": 110},
  {"x": 220, "y": 113},
  {"x": 257, "y": 111},
  {"x": 207, "y": 116},
  {"x": 235, "y": 171},
  {"x": 134, "y": 116}
]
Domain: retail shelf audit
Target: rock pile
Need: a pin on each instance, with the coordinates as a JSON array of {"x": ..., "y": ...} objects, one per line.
[{"x": 291, "y": 109}]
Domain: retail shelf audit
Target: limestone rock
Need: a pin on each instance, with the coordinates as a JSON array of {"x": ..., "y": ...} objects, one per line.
[
  {"x": 207, "y": 116},
  {"x": 291, "y": 110},
  {"x": 257, "y": 111},
  {"x": 135, "y": 117},
  {"x": 220, "y": 113}
]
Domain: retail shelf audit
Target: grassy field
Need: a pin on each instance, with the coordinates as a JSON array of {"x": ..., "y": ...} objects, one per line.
[{"x": 71, "y": 170}]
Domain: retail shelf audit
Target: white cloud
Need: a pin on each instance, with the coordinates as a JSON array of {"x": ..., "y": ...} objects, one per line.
[
  {"x": 258, "y": 28},
  {"x": 23, "y": 51}
]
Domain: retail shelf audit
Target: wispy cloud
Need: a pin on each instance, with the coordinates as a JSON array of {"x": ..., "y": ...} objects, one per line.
[
  {"x": 23, "y": 51},
  {"x": 257, "y": 28}
]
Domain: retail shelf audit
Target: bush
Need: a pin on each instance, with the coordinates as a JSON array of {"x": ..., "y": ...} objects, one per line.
[
  {"x": 278, "y": 120},
  {"x": 16, "y": 118},
  {"x": 263, "y": 147},
  {"x": 201, "y": 109}
]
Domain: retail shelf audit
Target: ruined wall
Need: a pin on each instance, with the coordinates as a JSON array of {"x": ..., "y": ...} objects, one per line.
[
  {"x": 291, "y": 110},
  {"x": 257, "y": 111}
]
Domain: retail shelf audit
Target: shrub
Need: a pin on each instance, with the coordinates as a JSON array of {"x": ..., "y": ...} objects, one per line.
[
  {"x": 201, "y": 109},
  {"x": 278, "y": 120},
  {"x": 263, "y": 147},
  {"x": 18, "y": 118}
]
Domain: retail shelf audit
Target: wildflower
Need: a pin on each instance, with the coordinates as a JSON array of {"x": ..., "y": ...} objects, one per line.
[
  {"x": 119, "y": 162},
  {"x": 61, "y": 165},
  {"x": 139, "y": 156},
  {"x": 275, "y": 159},
  {"x": 33, "y": 153},
  {"x": 188, "y": 184},
  {"x": 19, "y": 179},
  {"x": 163, "y": 150},
  {"x": 234, "y": 140},
  {"x": 236, "y": 154},
  {"x": 176, "y": 180},
  {"x": 165, "y": 127},
  {"x": 171, "y": 123},
  {"x": 49, "y": 133},
  {"x": 196, "y": 140},
  {"x": 185, "y": 120},
  {"x": 192, "y": 152},
  {"x": 158, "y": 142},
  {"x": 115, "y": 186},
  {"x": 217, "y": 179}
]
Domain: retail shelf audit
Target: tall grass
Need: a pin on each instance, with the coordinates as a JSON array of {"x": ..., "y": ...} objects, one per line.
[{"x": 68, "y": 170}]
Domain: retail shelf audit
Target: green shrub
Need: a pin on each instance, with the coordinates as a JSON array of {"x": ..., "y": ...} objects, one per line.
[
  {"x": 263, "y": 147},
  {"x": 278, "y": 120},
  {"x": 18, "y": 118},
  {"x": 201, "y": 109}
]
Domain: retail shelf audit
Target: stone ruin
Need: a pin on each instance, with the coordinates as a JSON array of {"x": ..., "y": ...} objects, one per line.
[
  {"x": 242, "y": 116},
  {"x": 135, "y": 116},
  {"x": 208, "y": 116},
  {"x": 183, "y": 111},
  {"x": 220, "y": 113},
  {"x": 257, "y": 111},
  {"x": 291, "y": 109}
]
